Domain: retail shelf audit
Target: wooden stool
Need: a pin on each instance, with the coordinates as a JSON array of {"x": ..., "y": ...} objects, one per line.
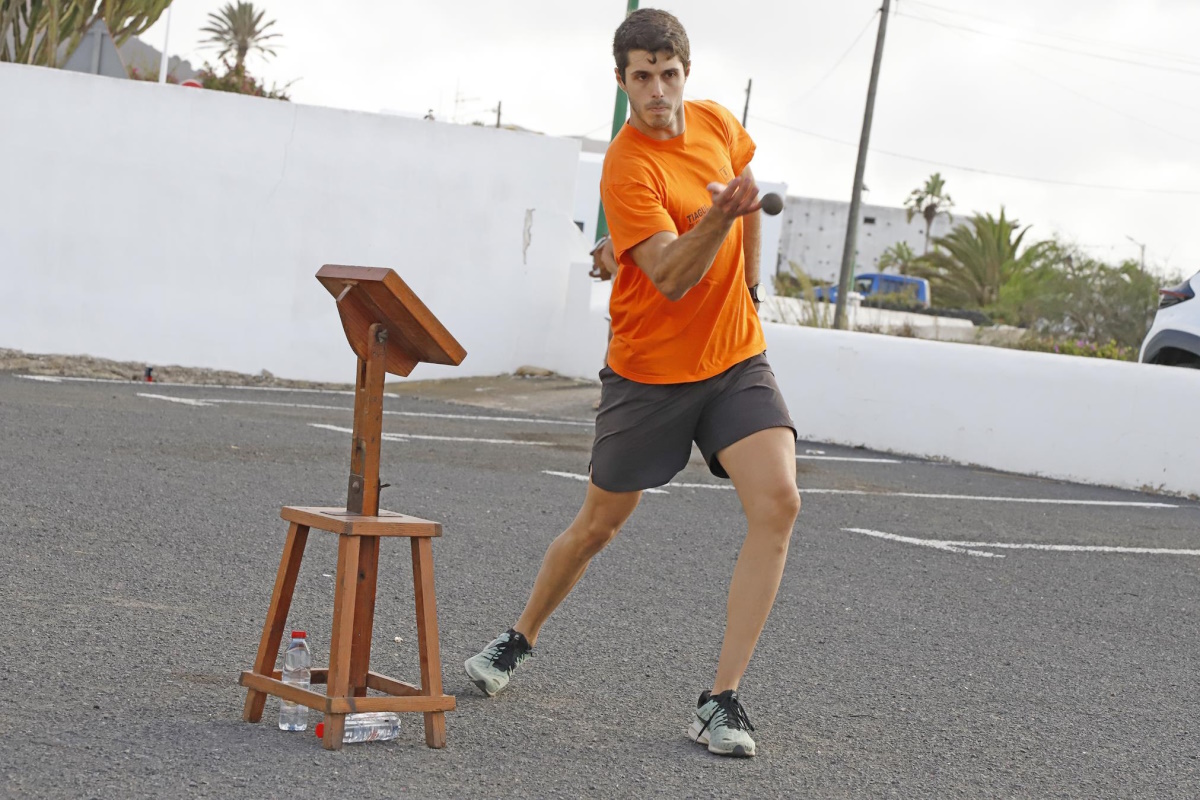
[{"x": 391, "y": 331}]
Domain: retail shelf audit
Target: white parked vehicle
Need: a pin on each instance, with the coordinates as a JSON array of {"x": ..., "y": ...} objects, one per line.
[{"x": 1174, "y": 338}]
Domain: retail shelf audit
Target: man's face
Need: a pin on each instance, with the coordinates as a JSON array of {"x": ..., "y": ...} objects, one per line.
[{"x": 654, "y": 84}]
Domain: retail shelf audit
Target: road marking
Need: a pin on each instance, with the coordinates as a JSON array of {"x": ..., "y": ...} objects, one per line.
[
  {"x": 59, "y": 379},
  {"x": 965, "y": 547},
  {"x": 1053, "y": 501},
  {"x": 585, "y": 479},
  {"x": 181, "y": 400},
  {"x": 848, "y": 458},
  {"x": 924, "y": 496},
  {"x": 404, "y": 437},
  {"x": 472, "y": 417}
]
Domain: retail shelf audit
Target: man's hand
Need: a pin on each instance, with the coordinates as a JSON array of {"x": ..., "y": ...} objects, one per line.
[
  {"x": 604, "y": 262},
  {"x": 735, "y": 199}
]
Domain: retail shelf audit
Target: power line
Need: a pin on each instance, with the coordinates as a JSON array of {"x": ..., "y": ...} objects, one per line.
[
  {"x": 978, "y": 170},
  {"x": 837, "y": 63},
  {"x": 1139, "y": 90},
  {"x": 601, "y": 127},
  {"x": 1070, "y": 37},
  {"x": 1085, "y": 53},
  {"x": 1114, "y": 109}
]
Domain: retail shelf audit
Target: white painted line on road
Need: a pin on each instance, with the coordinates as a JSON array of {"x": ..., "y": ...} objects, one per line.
[
  {"x": 923, "y": 496},
  {"x": 181, "y": 400},
  {"x": 952, "y": 547},
  {"x": 1052, "y": 501},
  {"x": 58, "y": 379},
  {"x": 849, "y": 458},
  {"x": 404, "y": 437},
  {"x": 585, "y": 479},
  {"x": 964, "y": 547},
  {"x": 471, "y": 417}
]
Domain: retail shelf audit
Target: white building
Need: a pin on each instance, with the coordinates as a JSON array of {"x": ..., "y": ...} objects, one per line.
[{"x": 814, "y": 234}]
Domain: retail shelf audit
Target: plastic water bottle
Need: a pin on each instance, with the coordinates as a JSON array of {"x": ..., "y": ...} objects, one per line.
[
  {"x": 297, "y": 671},
  {"x": 375, "y": 726}
]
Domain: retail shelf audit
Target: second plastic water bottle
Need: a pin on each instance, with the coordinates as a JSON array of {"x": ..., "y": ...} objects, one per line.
[
  {"x": 372, "y": 726},
  {"x": 297, "y": 671}
]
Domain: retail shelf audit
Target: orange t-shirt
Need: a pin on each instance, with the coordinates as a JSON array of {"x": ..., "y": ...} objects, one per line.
[{"x": 649, "y": 186}]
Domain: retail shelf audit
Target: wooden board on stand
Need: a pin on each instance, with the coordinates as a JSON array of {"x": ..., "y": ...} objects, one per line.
[{"x": 391, "y": 331}]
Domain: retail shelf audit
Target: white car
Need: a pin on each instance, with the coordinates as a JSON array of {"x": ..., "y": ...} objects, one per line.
[{"x": 1174, "y": 338}]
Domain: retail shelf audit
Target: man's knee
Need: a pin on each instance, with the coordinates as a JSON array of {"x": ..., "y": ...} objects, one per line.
[
  {"x": 776, "y": 506},
  {"x": 601, "y": 518},
  {"x": 594, "y": 533}
]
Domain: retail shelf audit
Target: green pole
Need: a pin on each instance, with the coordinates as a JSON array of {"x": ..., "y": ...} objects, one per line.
[{"x": 620, "y": 111}]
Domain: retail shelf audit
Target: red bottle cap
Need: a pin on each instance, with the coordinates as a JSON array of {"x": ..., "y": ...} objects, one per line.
[
  {"x": 320, "y": 730},
  {"x": 299, "y": 635}
]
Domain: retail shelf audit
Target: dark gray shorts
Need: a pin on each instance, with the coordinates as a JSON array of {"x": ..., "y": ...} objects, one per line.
[{"x": 644, "y": 432}]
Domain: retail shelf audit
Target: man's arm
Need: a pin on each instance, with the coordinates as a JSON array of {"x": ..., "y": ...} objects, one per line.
[
  {"x": 604, "y": 262},
  {"x": 674, "y": 264},
  {"x": 752, "y": 242}
]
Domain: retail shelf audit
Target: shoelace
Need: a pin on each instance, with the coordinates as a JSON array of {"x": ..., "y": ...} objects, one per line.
[
  {"x": 508, "y": 654},
  {"x": 730, "y": 708}
]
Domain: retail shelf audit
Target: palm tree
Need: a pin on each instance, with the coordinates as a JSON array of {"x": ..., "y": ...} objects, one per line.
[
  {"x": 972, "y": 265},
  {"x": 238, "y": 30},
  {"x": 900, "y": 255},
  {"x": 928, "y": 201}
]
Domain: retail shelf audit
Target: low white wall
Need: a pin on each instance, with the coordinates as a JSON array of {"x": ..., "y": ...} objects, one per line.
[
  {"x": 179, "y": 226},
  {"x": 794, "y": 311},
  {"x": 1080, "y": 419},
  {"x": 175, "y": 225}
]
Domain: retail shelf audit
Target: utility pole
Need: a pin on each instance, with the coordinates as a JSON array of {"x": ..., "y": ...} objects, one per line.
[
  {"x": 839, "y": 314},
  {"x": 620, "y": 111},
  {"x": 498, "y": 104},
  {"x": 746, "y": 110}
]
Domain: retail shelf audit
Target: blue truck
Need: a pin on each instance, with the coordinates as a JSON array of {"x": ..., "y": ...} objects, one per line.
[{"x": 881, "y": 285}]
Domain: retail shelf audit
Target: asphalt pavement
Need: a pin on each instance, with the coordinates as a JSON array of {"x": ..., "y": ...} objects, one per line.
[{"x": 941, "y": 631}]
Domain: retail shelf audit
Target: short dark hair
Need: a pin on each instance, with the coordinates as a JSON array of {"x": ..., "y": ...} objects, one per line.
[{"x": 654, "y": 31}]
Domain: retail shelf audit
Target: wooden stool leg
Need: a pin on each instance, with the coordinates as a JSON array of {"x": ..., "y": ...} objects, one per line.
[
  {"x": 342, "y": 642},
  {"x": 364, "y": 614},
  {"x": 281, "y": 602},
  {"x": 427, "y": 637}
]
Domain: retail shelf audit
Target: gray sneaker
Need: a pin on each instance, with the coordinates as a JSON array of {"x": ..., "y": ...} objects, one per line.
[
  {"x": 722, "y": 724},
  {"x": 491, "y": 669}
]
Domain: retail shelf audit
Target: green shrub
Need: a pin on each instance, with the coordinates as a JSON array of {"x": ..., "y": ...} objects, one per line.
[
  {"x": 238, "y": 81},
  {"x": 1079, "y": 347}
]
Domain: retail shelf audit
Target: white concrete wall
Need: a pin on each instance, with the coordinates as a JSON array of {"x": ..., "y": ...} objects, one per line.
[
  {"x": 179, "y": 226},
  {"x": 794, "y": 311},
  {"x": 1081, "y": 419},
  {"x": 174, "y": 225}
]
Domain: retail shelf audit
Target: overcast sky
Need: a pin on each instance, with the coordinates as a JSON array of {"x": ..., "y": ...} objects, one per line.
[{"x": 1102, "y": 93}]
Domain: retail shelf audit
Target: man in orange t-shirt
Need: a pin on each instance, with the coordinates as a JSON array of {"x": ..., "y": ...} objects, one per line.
[{"x": 686, "y": 361}]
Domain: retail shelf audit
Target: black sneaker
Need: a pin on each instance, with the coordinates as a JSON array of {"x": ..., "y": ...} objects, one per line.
[
  {"x": 722, "y": 724},
  {"x": 491, "y": 669}
]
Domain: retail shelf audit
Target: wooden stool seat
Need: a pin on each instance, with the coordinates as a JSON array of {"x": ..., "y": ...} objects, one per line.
[
  {"x": 390, "y": 330},
  {"x": 339, "y": 520},
  {"x": 348, "y": 677}
]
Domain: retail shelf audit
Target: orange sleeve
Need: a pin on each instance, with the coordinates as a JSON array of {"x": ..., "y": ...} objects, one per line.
[
  {"x": 741, "y": 146},
  {"x": 635, "y": 212}
]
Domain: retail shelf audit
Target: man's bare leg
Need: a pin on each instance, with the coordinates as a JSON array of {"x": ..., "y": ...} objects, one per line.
[
  {"x": 763, "y": 470},
  {"x": 601, "y": 517}
]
